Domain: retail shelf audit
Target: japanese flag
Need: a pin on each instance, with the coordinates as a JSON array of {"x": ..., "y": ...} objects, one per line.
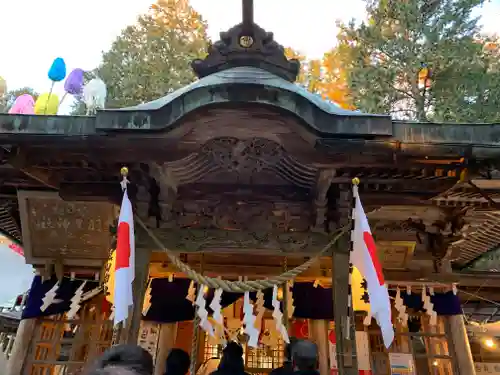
[
  {"x": 125, "y": 261},
  {"x": 364, "y": 258}
]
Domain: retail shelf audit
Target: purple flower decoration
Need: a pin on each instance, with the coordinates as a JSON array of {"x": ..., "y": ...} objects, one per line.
[{"x": 74, "y": 83}]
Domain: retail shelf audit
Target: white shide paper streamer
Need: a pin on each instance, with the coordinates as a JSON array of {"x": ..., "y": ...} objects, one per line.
[{"x": 278, "y": 316}]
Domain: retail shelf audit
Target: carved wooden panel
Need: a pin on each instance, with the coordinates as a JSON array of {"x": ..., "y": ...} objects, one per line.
[
  {"x": 236, "y": 160},
  {"x": 198, "y": 240},
  {"x": 76, "y": 233},
  {"x": 395, "y": 254},
  {"x": 230, "y": 213}
]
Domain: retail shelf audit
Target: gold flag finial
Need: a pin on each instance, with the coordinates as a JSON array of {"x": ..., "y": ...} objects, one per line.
[{"x": 355, "y": 181}]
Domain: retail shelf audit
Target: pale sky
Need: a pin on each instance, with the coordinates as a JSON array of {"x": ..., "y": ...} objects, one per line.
[
  {"x": 15, "y": 275},
  {"x": 34, "y": 32}
]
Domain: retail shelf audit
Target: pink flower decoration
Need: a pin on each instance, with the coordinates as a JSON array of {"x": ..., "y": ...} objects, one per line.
[{"x": 23, "y": 105}]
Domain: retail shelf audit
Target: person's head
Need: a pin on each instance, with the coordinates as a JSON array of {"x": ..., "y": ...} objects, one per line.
[
  {"x": 114, "y": 370},
  {"x": 305, "y": 356},
  {"x": 233, "y": 350},
  {"x": 289, "y": 349},
  {"x": 178, "y": 362},
  {"x": 132, "y": 357},
  {"x": 232, "y": 358}
]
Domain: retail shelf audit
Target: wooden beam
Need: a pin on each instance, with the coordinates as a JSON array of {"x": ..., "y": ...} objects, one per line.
[
  {"x": 487, "y": 184},
  {"x": 91, "y": 191},
  {"x": 404, "y": 277},
  {"x": 192, "y": 241},
  {"x": 234, "y": 271},
  {"x": 377, "y": 180},
  {"x": 471, "y": 279},
  {"x": 47, "y": 179}
]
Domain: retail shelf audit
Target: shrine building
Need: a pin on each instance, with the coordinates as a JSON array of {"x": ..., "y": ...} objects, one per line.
[{"x": 244, "y": 175}]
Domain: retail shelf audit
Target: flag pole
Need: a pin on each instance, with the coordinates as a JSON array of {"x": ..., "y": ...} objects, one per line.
[
  {"x": 123, "y": 184},
  {"x": 118, "y": 328},
  {"x": 355, "y": 183}
]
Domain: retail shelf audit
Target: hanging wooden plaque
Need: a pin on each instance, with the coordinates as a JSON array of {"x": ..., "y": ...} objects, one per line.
[
  {"x": 74, "y": 233},
  {"x": 395, "y": 254}
]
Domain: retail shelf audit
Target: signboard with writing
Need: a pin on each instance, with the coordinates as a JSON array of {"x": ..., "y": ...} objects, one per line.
[
  {"x": 149, "y": 334},
  {"x": 401, "y": 364},
  {"x": 395, "y": 254},
  {"x": 487, "y": 368},
  {"x": 76, "y": 233},
  {"x": 362, "y": 350}
]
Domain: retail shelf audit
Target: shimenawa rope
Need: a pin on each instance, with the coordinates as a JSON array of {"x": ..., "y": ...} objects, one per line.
[
  {"x": 239, "y": 286},
  {"x": 226, "y": 285}
]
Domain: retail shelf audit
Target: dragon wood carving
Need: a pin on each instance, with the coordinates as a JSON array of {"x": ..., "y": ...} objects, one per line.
[
  {"x": 442, "y": 233},
  {"x": 240, "y": 216},
  {"x": 193, "y": 240}
]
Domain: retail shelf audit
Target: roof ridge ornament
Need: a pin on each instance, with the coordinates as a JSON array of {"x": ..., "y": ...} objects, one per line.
[{"x": 247, "y": 44}]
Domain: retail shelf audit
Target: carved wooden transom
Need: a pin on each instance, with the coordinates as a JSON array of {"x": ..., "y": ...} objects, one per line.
[
  {"x": 237, "y": 161},
  {"x": 240, "y": 156}
]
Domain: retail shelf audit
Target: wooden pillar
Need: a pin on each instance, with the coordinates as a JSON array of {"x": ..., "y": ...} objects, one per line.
[
  {"x": 22, "y": 342},
  {"x": 346, "y": 349},
  {"x": 200, "y": 358},
  {"x": 363, "y": 352},
  {"x": 168, "y": 335},
  {"x": 142, "y": 258},
  {"x": 461, "y": 346},
  {"x": 318, "y": 333}
]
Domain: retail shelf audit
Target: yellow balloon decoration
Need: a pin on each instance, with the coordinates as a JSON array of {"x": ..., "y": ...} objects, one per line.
[
  {"x": 110, "y": 283},
  {"x": 47, "y": 104},
  {"x": 3, "y": 86},
  {"x": 357, "y": 292}
]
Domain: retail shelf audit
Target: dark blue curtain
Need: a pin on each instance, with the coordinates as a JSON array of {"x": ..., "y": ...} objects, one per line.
[
  {"x": 65, "y": 292},
  {"x": 169, "y": 303},
  {"x": 444, "y": 303}
]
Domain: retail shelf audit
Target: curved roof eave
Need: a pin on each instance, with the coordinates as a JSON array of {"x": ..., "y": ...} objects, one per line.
[{"x": 190, "y": 99}]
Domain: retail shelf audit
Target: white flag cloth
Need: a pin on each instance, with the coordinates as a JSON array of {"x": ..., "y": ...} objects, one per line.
[
  {"x": 125, "y": 261},
  {"x": 364, "y": 258}
]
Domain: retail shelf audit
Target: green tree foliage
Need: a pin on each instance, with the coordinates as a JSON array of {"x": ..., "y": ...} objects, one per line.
[
  {"x": 152, "y": 57},
  {"x": 422, "y": 60},
  {"x": 8, "y": 98}
]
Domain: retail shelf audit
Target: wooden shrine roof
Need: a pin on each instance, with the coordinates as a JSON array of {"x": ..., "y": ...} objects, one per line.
[{"x": 402, "y": 165}]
